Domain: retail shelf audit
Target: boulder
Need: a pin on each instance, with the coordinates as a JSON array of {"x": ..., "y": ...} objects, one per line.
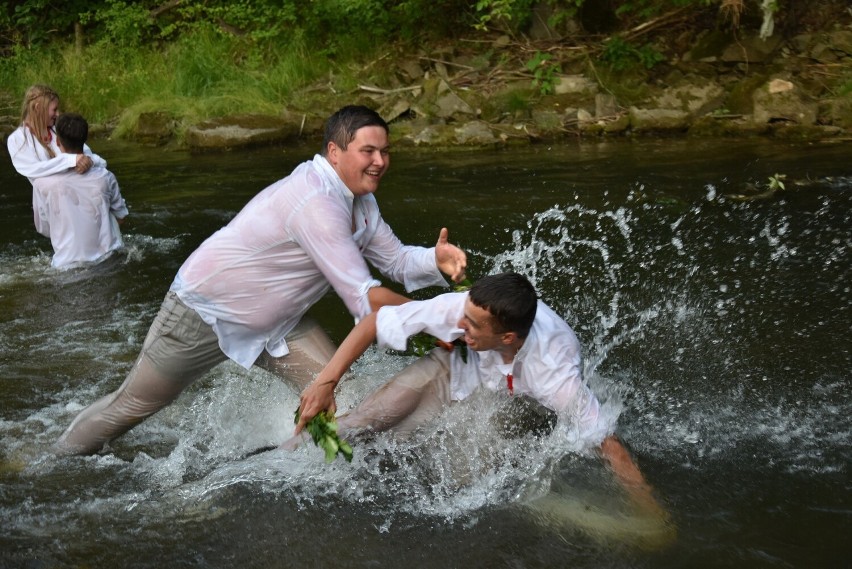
[
  {"x": 781, "y": 100},
  {"x": 154, "y": 128},
  {"x": 605, "y": 105},
  {"x": 433, "y": 135},
  {"x": 839, "y": 111},
  {"x": 696, "y": 98},
  {"x": 658, "y": 120},
  {"x": 841, "y": 42},
  {"x": 568, "y": 84},
  {"x": 750, "y": 49},
  {"x": 440, "y": 100},
  {"x": 475, "y": 133},
  {"x": 245, "y": 130},
  {"x": 547, "y": 121}
]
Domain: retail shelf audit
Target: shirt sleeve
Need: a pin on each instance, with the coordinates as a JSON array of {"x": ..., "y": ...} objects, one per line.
[
  {"x": 40, "y": 217},
  {"x": 438, "y": 316},
  {"x": 561, "y": 382},
  {"x": 413, "y": 266},
  {"x": 117, "y": 205},
  {"x": 32, "y": 161},
  {"x": 322, "y": 228}
]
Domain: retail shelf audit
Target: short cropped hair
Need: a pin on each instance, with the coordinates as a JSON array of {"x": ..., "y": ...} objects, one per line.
[
  {"x": 340, "y": 128},
  {"x": 510, "y": 298},
  {"x": 72, "y": 131}
]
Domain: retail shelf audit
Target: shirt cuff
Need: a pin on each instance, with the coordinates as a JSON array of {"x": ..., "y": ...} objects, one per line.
[{"x": 427, "y": 274}]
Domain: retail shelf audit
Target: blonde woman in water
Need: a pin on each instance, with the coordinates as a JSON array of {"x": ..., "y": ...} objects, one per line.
[{"x": 33, "y": 147}]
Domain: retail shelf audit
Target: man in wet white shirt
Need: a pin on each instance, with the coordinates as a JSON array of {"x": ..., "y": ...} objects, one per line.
[
  {"x": 80, "y": 213},
  {"x": 244, "y": 292},
  {"x": 511, "y": 342},
  {"x": 497, "y": 336}
]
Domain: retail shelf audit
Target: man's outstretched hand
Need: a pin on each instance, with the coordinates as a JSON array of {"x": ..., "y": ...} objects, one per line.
[{"x": 450, "y": 259}]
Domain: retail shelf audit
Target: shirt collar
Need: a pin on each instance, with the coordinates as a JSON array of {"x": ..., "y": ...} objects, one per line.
[
  {"x": 330, "y": 174},
  {"x": 522, "y": 353}
]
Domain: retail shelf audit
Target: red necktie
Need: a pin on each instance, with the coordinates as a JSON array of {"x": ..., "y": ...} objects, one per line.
[{"x": 509, "y": 380}]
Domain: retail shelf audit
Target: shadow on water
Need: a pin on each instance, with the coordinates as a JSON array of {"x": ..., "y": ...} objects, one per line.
[{"x": 715, "y": 324}]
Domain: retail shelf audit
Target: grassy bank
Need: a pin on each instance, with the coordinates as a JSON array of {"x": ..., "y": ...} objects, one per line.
[{"x": 202, "y": 75}]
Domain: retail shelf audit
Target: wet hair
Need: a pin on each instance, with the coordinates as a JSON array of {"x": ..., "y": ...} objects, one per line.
[
  {"x": 340, "y": 128},
  {"x": 34, "y": 109},
  {"x": 72, "y": 130},
  {"x": 510, "y": 298}
]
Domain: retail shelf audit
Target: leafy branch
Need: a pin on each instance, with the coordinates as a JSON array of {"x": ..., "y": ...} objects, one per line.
[{"x": 323, "y": 431}]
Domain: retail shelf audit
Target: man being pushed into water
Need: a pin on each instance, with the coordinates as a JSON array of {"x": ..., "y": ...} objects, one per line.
[{"x": 512, "y": 342}]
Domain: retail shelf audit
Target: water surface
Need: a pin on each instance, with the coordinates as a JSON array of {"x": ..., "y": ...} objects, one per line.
[{"x": 715, "y": 331}]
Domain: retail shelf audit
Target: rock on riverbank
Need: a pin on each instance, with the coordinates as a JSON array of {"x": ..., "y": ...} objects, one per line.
[{"x": 722, "y": 86}]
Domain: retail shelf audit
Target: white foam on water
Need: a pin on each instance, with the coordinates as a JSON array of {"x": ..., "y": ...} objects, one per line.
[
  {"x": 25, "y": 267},
  {"x": 139, "y": 246}
]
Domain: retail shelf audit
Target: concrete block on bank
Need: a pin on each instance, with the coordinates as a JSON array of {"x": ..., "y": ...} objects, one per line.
[
  {"x": 658, "y": 120},
  {"x": 244, "y": 130}
]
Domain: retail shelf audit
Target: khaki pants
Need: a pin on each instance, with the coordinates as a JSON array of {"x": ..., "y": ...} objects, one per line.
[
  {"x": 409, "y": 400},
  {"x": 180, "y": 348}
]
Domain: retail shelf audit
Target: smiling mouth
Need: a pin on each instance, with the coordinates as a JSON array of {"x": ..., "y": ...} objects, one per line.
[{"x": 374, "y": 173}]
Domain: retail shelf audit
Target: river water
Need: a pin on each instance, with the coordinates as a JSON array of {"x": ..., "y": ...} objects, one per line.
[{"x": 716, "y": 332}]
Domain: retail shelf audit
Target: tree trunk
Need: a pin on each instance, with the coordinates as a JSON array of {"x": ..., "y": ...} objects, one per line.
[{"x": 78, "y": 37}]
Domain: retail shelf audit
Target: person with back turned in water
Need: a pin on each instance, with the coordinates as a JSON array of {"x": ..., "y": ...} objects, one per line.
[
  {"x": 79, "y": 213},
  {"x": 244, "y": 292}
]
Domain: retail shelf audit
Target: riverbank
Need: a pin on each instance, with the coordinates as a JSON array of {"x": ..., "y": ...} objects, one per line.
[{"x": 486, "y": 91}]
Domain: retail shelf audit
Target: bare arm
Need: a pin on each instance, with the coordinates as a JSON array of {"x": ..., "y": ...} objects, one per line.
[
  {"x": 630, "y": 477},
  {"x": 380, "y": 296},
  {"x": 319, "y": 395}
]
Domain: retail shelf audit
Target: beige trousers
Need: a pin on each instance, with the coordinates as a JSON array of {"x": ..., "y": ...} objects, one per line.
[
  {"x": 179, "y": 348},
  {"x": 410, "y": 399}
]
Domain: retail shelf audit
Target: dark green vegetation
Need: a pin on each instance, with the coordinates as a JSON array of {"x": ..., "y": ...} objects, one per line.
[
  {"x": 192, "y": 59},
  {"x": 323, "y": 430}
]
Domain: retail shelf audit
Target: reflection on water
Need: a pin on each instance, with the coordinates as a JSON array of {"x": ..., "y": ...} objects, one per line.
[{"x": 715, "y": 332}]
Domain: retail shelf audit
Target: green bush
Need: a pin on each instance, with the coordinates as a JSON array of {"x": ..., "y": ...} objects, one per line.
[{"x": 621, "y": 54}]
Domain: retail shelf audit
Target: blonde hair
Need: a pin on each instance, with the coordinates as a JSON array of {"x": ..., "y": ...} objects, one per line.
[{"x": 37, "y": 101}]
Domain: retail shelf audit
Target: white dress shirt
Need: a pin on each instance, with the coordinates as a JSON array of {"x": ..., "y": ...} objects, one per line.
[
  {"x": 78, "y": 212},
  {"x": 255, "y": 278},
  {"x": 546, "y": 368}
]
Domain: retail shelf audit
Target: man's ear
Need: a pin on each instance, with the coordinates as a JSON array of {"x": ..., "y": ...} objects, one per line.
[
  {"x": 332, "y": 152},
  {"x": 509, "y": 338}
]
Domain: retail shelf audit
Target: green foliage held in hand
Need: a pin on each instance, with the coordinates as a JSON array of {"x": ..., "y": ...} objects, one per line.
[{"x": 323, "y": 431}]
